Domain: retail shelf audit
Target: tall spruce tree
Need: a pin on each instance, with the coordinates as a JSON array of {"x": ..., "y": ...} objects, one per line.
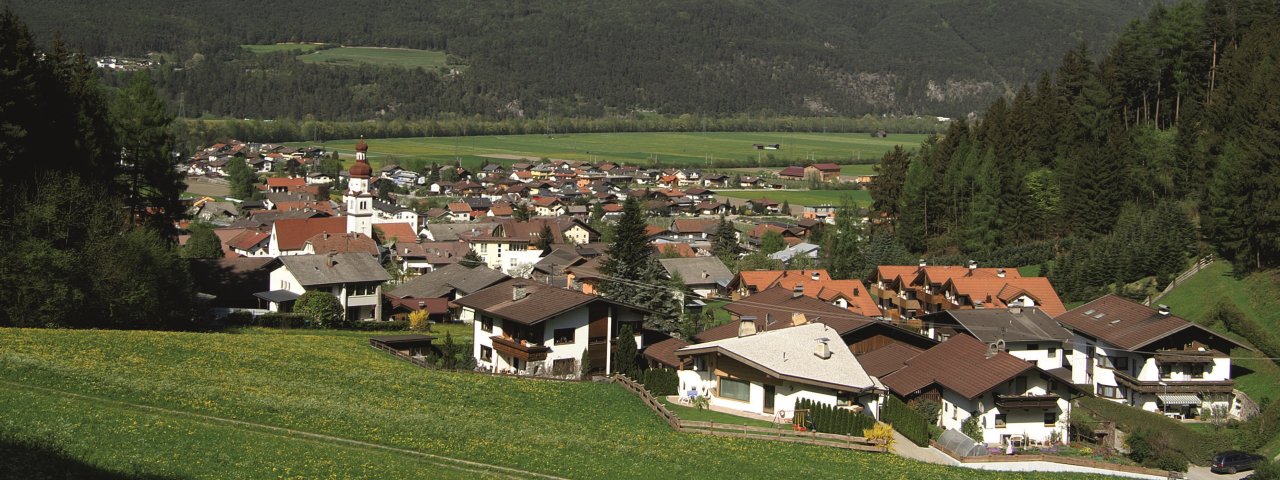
[
  {"x": 144, "y": 131},
  {"x": 887, "y": 187},
  {"x": 844, "y": 249},
  {"x": 724, "y": 242},
  {"x": 633, "y": 274}
]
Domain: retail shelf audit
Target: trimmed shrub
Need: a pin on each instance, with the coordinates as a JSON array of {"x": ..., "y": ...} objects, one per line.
[
  {"x": 1154, "y": 449},
  {"x": 905, "y": 420},
  {"x": 660, "y": 381},
  {"x": 827, "y": 418},
  {"x": 280, "y": 320}
]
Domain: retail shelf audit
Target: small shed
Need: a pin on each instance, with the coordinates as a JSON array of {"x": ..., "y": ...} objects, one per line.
[{"x": 413, "y": 344}]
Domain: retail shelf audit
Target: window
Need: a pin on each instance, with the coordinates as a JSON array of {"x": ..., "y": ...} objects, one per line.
[
  {"x": 363, "y": 290},
  {"x": 1107, "y": 391},
  {"x": 486, "y": 354},
  {"x": 563, "y": 366},
  {"x": 1197, "y": 371},
  {"x": 1053, "y": 352},
  {"x": 1122, "y": 363},
  {"x": 1000, "y": 420},
  {"x": 564, "y": 336},
  {"x": 735, "y": 389},
  {"x": 486, "y": 324},
  {"x": 1020, "y": 385},
  {"x": 1050, "y": 419},
  {"x": 700, "y": 363}
]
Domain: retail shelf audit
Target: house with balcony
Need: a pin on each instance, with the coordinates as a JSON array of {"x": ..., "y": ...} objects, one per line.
[
  {"x": 768, "y": 372},
  {"x": 530, "y": 328},
  {"x": 904, "y": 293},
  {"x": 1013, "y": 400},
  {"x": 1151, "y": 359},
  {"x": 354, "y": 278}
]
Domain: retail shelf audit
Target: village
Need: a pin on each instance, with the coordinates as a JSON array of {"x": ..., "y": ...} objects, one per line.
[{"x": 513, "y": 254}]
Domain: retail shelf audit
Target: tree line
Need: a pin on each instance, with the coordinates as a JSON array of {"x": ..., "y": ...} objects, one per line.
[
  {"x": 596, "y": 59},
  {"x": 88, "y": 196},
  {"x": 1128, "y": 165}
]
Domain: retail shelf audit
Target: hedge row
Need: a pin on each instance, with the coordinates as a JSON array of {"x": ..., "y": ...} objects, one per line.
[
  {"x": 297, "y": 320},
  {"x": 905, "y": 420},
  {"x": 660, "y": 381},
  {"x": 827, "y": 418}
]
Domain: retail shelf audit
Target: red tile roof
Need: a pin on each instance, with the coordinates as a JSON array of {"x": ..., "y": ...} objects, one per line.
[
  {"x": 792, "y": 171},
  {"x": 827, "y": 167},
  {"x": 248, "y": 239},
  {"x": 959, "y": 364},
  {"x": 779, "y": 305},
  {"x": 322, "y": 243},
  {"x": 292, "y": 233},
  {"x": 682, "y": 249},
  {"x": 400, "y": 231},
  {"x": 286, "y": 182}
]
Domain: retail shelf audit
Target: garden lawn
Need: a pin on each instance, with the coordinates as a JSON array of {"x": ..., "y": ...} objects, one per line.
[
  {"x": 640, "y": 148},
  {"x": 337, "y": 385},
  {"x": 802, "y": 197},
  {"x": 707, "y": 415}
]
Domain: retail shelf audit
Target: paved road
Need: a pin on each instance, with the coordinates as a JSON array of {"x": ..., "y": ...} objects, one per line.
[{"x": 1203, "y": 473}]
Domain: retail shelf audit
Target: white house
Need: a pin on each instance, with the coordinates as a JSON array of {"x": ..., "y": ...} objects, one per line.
[
  {"x": 1025, "y": 332},
  {"x": 1151, "y": 359},
  {"x": 532, "y": 328},
  {"x": 355, "y": 278},
  {"x": 1012, "y": 399},
  {"x": 768, "y": 372}
]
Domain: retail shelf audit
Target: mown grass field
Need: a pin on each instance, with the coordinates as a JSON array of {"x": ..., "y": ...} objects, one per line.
[
  {"x": 1257, "y": 296},
  {"x": 398, "y": 57},
  {"x": 281, "y": 47},
  {"x": 802, "y": 197},
  {"x": 661, "y": 148},
  {"x": 334, "y": 384}
]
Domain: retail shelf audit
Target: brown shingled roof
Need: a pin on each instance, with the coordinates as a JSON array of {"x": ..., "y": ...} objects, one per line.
[
  {"x": 887, "y": 359},
  {"x": 540, "y": 303},
  {"x": 1126, "y": 324},
  {"x": 959, "y": 364},
  {"x": 664, "y": 352},
  {"x": 779, "y": 304}
]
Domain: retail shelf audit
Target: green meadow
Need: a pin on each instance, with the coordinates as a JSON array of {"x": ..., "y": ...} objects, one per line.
[
  {"x": 269, "y": 404},
  {"x": 281, "y": 47},
  {"x": 398, "y": 57}
]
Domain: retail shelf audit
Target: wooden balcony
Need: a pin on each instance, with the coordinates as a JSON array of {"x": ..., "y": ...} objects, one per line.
[
  {"x": 516, "y": 349},
  {"x": 1184, "y": 356},
  {"x": 1027, "y": 401},
  {"x": 1174, "y": 386}
]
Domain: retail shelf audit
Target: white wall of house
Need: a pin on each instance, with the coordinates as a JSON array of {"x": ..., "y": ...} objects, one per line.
[
  {"x": 577, "y": 234},
  {"x": 786, "y": 394},
  {"x": 1046, "y": 354},
  {"x": 576, "y": 319},
  {"x": 1026, "y": 423}
]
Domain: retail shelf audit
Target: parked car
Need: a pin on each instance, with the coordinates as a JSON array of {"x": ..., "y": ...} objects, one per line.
[{"x": 1234, "y": 461}]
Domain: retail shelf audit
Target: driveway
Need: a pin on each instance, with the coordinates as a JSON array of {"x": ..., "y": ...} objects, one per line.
[{"x": 1203, "y": 473}]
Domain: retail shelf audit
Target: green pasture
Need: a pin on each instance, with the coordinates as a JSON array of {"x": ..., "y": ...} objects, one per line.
[
  {"x": 641, "y": 148},
  {"x": 398, "y": 57},
  {"x": 87, "y": 398},
  {"x": 802, "y": 197},
  {"x": 281, "y": 47}
]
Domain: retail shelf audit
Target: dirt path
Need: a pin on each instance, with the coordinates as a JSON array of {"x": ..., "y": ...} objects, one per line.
[{"x": 437, "y": 460}]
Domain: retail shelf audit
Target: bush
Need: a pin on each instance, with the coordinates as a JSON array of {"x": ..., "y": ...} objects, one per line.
[
  {"x": 1237, "y": 322},
  {"x": 1154, "y": 449},
  {"x": 906, "y": 421},
  {"x": 418, "y": 321},
  {"x": 971, "y": 429},
  {"x": 827, "y": 418},
  {"x": 660, "y": 381},
  {"x": 280, "y": 320},
  {"x": 375, "y": 326},
  {"x": 1180, "y": 438},
  {"x": 321, "y": 309},
  {"x": 882, "y": 432}
]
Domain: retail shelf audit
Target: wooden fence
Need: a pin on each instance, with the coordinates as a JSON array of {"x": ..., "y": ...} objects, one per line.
[
  {"x": 1201, "y": 264},
  {"x": 745, "y": 431}
]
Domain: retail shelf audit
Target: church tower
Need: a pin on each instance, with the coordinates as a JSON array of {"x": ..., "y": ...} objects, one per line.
[{"x": 357, "y": 199}]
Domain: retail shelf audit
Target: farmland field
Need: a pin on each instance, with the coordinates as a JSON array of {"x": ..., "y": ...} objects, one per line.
[
  {"x": 664, "y": 148},
  {"x": 802, "y": 197},
  {"x": 280, "y": 47},
  {"x": 214, "y": 405},
  {"x": 399, "y": 57}
]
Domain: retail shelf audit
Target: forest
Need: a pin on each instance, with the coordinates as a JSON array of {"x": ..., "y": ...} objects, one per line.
[
  {"x": 591, "y": 59},
  {"x": 1113, "y": 169}
]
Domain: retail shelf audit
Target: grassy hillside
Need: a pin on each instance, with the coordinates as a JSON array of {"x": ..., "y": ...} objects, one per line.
[
  {"x": 281, "y": 47},
  {"x": 1257, "y": 296},
  {"x": 336, "y": 385}
]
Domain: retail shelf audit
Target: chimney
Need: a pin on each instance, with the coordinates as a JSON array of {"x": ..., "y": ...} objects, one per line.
[
  {"x": 823, "y": 351},
  {"x": 1015, "y": 307},
  {"x": 815, "y": 276},
  {"x": 747, "y": 326},
  {"x": 1000, "y": 273},
  {"x": 518, "y": 292},
  {"x": 798, "y": 290},
  {"x": 328, "y": 260},
  {"x": 973, "y": 265},
  {"x": 923, "y": 263},
  {"x": 1164, "y": 310},
  {"x": 798, "y": 319}
]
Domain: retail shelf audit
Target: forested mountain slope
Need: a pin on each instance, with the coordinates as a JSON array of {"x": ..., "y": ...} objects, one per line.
[{"x": 800, "y": 57}]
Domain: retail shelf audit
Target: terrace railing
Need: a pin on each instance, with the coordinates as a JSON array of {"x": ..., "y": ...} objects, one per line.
[{"x": 745, "y": 431}]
